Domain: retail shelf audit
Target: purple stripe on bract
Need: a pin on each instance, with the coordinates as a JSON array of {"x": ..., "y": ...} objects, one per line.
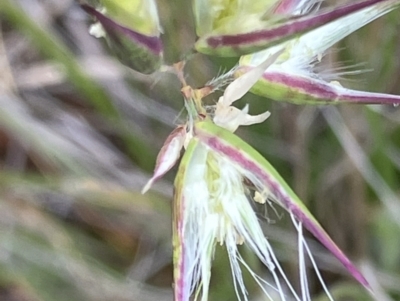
[
  {"x": 152, "y": 43},
  {"x": 287, "y": 30},
  {"x": 181, "y": 287},
  {"x": 328, "y": 92},
  {"x": 313, "y": 87},
  {"x": 276, "y": 189},
  {"x": 360, "y": 97},
  {"x": 323, "y": 238}
]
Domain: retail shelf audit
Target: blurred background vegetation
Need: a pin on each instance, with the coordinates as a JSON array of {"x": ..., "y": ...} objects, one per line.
[{"x": 79, "y": 134}]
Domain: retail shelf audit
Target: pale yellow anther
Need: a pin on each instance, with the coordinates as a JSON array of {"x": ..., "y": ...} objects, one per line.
[
  {"x": 97, "y": 30},
  {"x": 260, "y": 197},
  {"x": 336, "y": 83}
]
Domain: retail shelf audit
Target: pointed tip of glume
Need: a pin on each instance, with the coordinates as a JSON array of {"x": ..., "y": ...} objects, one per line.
[{"x": 147, "y": 186}]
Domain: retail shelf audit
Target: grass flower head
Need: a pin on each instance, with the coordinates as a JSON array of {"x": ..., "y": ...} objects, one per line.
[{"x": 212, "y": 201}]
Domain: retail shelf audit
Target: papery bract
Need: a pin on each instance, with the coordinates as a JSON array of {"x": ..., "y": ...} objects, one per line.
[
  {"x": 132, "y": 31},
  {"x": 230, "y": 117},
  {"x": 211, "y": 206},
  {"x": 168, "y": 155},
  {"x": 232, "y": 29},
  {"x": 139, "y": 15},
  {"x": 292, "y": 77},
  {"x": 265, "y": 178}
]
